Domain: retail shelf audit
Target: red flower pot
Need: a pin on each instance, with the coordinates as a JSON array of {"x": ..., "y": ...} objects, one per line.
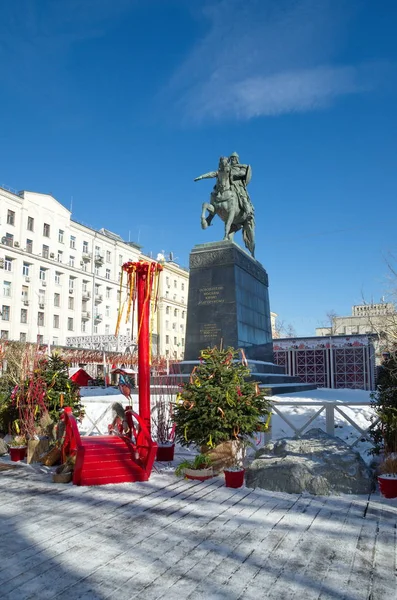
[
  {"x": 18, "y": 453},
  {"x": 234, "y": 479},
  {"x": 165, "y": 453},
  {"x": 388, "y": 486}
]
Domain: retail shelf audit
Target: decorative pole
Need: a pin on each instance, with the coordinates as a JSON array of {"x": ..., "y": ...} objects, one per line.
[{"x": 143, "y": 277}]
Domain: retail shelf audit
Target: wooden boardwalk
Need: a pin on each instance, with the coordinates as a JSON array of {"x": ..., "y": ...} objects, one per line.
[{"x": 179, "y": 540}]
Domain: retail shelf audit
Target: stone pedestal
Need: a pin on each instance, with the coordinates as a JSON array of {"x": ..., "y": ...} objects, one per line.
[{"x": 228, "y": 302}]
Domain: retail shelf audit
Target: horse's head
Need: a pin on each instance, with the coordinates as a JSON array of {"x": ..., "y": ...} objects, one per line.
[{"x": 223, "y": 164}]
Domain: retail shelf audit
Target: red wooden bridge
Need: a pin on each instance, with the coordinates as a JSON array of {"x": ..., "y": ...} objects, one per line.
[{"x": 114, "y": 458}]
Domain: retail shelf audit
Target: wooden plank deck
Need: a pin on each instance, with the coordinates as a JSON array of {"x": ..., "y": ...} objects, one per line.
[{"x": 175, "y": 539}]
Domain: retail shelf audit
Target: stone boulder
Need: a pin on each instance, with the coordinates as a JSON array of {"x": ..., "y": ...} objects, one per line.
[
  {"x": 316, "y": 463},
  {"x": 3, "y": 447}
]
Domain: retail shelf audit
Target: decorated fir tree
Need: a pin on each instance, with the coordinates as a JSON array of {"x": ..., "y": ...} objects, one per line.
[
  {"x": 384, "y": 402},
  {"x": 219, "y": 403}
]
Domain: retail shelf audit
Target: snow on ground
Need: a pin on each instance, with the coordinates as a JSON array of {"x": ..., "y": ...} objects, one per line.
[
  {"x": 98, "y": 399},
  {"x": 299, "y": 415}
]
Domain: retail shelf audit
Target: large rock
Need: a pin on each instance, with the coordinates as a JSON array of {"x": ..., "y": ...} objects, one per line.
[
  {"x": 316, "y": 463},
  {"x": 3, "y": 447}
]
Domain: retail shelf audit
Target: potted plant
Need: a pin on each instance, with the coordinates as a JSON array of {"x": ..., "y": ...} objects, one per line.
[
  {"x": 384, "y": 432},
  {"x": 388, "y": 477},
  {"x": 164, "y": 431},
  {"x": 219, "y": 408},
  {"x": 18, "y": 448},
  {"x": 200, "y": 468}
]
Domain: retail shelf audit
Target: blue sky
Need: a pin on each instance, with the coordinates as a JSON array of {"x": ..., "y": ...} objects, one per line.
[{"x": 119, "y": 104}]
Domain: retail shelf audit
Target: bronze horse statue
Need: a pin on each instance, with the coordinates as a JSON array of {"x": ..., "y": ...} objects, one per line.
[{"x": 226, "y": 204}]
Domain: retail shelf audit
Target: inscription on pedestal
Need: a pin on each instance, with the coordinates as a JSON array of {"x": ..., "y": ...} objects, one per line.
[{"x": 211, "y": 295}]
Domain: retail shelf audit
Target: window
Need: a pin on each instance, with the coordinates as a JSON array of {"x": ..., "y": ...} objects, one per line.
[
  {"x": 167, "y": 310},
  {"x": 29, "y": 246},
  {"x": 95, "y": 328},
  {"x": 42, "y": 274},
  {"x": 56, "y": 322},
  {"x": 183, "y": 314},
  {"x": 181, "y": 328},
  {"x": 60, "y": 236},
  {"x": 107, "y": 274},
  {"x": 7, "y": 288},
  {"x": 5, "y": 312},
  {"x": 60, "y": 256},
  {"x": 71, "y": 303},
  {"x": 97, "y": 250},
  {"x": 183, "y": 299},
  {"x": 41, "y": 297},
  {"x": 25, "y": 293},
  {"x": 70, "y": 324},
  {"x": 58, "y": 277},
  {"x": 25, "y": 269},
  {"x": 167, "y": 281},
  {"x": 108, "y": 290},
  {"x": 97, "y": 289},
  {"x": 9, "y": 241},
  {"x": 84, "y": 267},
  {"x": 107, "y": 311},
  {"x": 8, "y": 263},
  {"x": 73, "y": 242},
  {"x": 57, "y": 300},
  {"x": 46, "y": 230},
  {"x": 175, "y": 283},
  {"x": 175, "y": 312},
  {"x": 71, "y": 261},
  {"x": 182, "y": 286},
  {"x": 40, "y": 319},
  {"x": 45, "y": 252},
  {"x": 22, "y": 337},
  {"x": 120, "y": 260},
  {"x": 30, "y": 226},
  {"x": 96, "y": 270},
  {"x": 174, "y": 326},
  {"x": 24, "y": 315},
  {"x": 71, "y": 283},
  {"x": 10, "y": 217},
  {"x": 167, "y": 339},
  {"x": 4, "y": 334},
  {"x": 55, "y": 341},
  {"x": 175, "y": 341},
  {"x": 167, "y": 352},
  {"x": 85, "y": 247},
  {"x": 40, "y": 339},
  {"x": 84, "y": 285},
  {"x": 166, "y": 294},
  {"x": 183, "y": 341},
  {"x": 83, "y": 326},
  {"x": 118, "y": 296},
  {"x": 108, "y": 256},
  {"x": 167, "y": 324},
  {"x": 107, "y": 329}
]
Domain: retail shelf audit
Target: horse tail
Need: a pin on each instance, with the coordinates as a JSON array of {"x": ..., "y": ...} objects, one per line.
[{"x": 248, "y": 236}]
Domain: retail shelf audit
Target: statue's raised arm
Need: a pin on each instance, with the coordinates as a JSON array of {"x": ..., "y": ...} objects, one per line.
[{"x": 209, "y": 175}]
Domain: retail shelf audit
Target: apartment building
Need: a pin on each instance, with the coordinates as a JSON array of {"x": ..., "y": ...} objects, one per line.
[
  {"x": 365, "y": 319},
  {"x": 61, "y": 279}
]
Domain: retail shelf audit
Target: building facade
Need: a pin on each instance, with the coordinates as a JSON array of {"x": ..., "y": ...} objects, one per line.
[
  {"x": 365, "y": 319},
  {"x": 61, "y": 279}
]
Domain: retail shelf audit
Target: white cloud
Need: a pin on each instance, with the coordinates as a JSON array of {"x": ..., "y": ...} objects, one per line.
[{"x": 267, "y": 57}]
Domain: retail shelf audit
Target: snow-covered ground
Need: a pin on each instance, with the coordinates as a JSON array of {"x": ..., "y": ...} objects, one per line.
[{"x": 98, "y": 399}]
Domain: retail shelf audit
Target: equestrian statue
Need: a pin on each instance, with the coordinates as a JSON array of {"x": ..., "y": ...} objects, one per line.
[{"x": 230, "y": 200}]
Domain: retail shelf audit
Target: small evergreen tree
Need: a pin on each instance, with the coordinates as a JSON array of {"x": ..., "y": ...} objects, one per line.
[
  {"x": 219, "y": 403},
  {"x": 60, "y": 390},
  {"x": 384, "y": 402}
]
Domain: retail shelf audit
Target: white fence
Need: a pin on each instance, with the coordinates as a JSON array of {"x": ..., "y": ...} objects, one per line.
[{"x": 330, "y": 410}]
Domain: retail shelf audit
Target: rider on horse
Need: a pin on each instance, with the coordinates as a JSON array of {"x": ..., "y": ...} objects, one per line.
[{"x": 240, "y": 176}]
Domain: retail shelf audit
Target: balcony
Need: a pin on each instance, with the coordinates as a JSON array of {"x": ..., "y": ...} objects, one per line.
[
  {"x": 86, "y": 257},
  {"x": 85, "y": 315},
  {"x": 98, "y": 298},
  {"x": 98, "y": 260},
  {"x": 98, "y": 318},
  {"x": 85, "y": 295}
]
